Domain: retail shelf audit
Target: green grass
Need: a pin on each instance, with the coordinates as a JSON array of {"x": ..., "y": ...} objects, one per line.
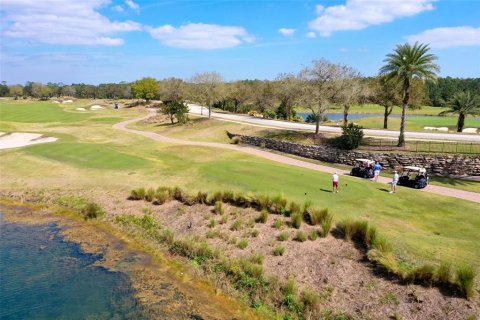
[
  {"x": 374, "y": 108},
  {"x": 87, "y": 155},
  {"x": 38, "y": 112},
  {"x": 422, "y": 227}
]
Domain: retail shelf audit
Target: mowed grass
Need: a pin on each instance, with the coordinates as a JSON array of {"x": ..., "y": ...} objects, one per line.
[
  {"x": 37, "y": 112},
  {"x": 417, "y": 123},
  {"x": 87, "y": 155},
  {"x": 423, "y": 227}
]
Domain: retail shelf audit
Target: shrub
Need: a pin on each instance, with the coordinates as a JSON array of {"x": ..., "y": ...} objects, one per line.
[
  {"x": 242, "y": 244},
  {"x": 316, "y": 216},
  {"x": 424, "y": 274},
  {"x": 161, "y": 196},
  {"x": 263, "y": 217},
  {"x": 346, "y": 228},
  {"x": 256, "y": 258},
  {"x": 296, "y": 220},
  {"x": 278, "y": 251},
  {"x": 465, "y": 277},
  {"x": 313, "y": 235},
  {"x": 236, "y": 225},
  {"x": 294, "y": 208},
  {"x": 254, "y": 233},
  {"x": 289, "y": 288},
  {"x": 167, "y": 236},
  {"x": 201, "y": 197},
  {"x": 310, "y": 300},
  {"x": 218, "y": 209},
  {"x": 351, "y": 137},
  {"x": 278, "y": 204},
  {"x": 443, "y": 275},
  {"x": 381, "y": 244},
  {"x": 283, "y": 236},
  {"x": 223, "y": 219},
  {"x": 178, "y": 194},
  {"x": 217, "y": 196},
  {"x": 212, "y": 223},
  {"x": 263, "y": 202},
  {"x": 300, "y": 237},
  {"x": 241, "y": 200},
  {"x": 371, "y": 235},
  {"x": 306, "y": 206},
  {"x": 236, "y": 140},
  {"x": 211, "y": 234},
  {"x": 91, "y": 211},
  {"x": 149, "y": 195},
  {"x": 137, "y": 194},
  {"x": 326, "y": 224},
  {"x": 228, "y": 197},
  {"x": 278, "y": 223}
]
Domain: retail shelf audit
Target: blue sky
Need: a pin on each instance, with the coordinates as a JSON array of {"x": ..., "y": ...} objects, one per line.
[{"x": 95, "y": 41}]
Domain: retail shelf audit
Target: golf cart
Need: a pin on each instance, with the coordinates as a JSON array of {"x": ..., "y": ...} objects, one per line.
[
  {"x": 413, "y": 177},
  {"x": 363, "y": 168}
]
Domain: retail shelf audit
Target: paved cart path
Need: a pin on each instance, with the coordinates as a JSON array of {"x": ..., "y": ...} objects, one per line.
[{"x": 444, "y": 191}]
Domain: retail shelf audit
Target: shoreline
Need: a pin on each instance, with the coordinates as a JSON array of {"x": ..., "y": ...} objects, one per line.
[{"x": 162, "y": 285}]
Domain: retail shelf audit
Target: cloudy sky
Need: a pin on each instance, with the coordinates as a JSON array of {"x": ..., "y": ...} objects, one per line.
[{"x": 96, "y": 41}]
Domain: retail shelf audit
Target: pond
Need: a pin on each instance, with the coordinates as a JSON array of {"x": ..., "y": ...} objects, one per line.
[{"x": 45, "y": 277}]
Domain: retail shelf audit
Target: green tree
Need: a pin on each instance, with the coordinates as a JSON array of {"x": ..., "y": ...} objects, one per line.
[
  {"x": 146, "y": 88},
  {"x": 208, "y": 89},
  {"x": 405, "y": 63},
  {"x": 463, "y": 103},
  {"x": 351, "y": 137},
  {"x": 3, "y": 89},
  {"x": 15, "y": 91},
  {"x": 387, "y": 94},
  {"x": 175, "y": 109}
]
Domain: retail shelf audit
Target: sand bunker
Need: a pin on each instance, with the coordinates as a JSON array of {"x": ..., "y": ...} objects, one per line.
[
  {"x": 470, "y": 130},
  {"x": 436, "y": 128},
  {"x": 22, "y": 139},
  {"x": 96, "y": 107},
  {"x": 67, "y": 101},
  {"x": 81, "y": 109},
  {"x": 55, "y": 101}
]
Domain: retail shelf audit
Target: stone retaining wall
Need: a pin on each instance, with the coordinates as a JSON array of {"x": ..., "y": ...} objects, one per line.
[{"x": 437, "y": 164}]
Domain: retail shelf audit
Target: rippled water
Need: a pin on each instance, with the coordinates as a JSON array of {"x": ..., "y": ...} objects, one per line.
[{"x": 44, "y": 277}]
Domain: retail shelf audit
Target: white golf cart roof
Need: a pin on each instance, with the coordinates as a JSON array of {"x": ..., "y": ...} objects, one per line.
[
  {"x": 412, "y": 168},
  {"x": 365, "y": 160}
]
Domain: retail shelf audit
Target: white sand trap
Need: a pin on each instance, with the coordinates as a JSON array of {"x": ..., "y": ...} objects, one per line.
[
  {"x": 56, "y": 101},
  {"x": 67, "y": 101},
  {"x": 22, "y": 139},
  {"x": 96, "y": 107},
  {"x": 81, "y": 109},
  {"x": 436, "y": 128},
  {"x": 470, "y": 130}
]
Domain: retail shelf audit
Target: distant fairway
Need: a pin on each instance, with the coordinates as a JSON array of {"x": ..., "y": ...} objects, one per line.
[
  {"x": 38, "y": 112},
  {"x": 88, "y": 155}
]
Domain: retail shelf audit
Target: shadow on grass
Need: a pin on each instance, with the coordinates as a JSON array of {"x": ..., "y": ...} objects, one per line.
[
  {"x": 326, "y": 190},
  {"x": 383, "y": 189}
]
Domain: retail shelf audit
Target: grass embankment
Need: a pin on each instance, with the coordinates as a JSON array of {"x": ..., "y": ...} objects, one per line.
[{"x": 422, "y": 227}]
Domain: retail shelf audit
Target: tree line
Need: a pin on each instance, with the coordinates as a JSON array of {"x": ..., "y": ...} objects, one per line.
[{"x": 407, "y": 79}]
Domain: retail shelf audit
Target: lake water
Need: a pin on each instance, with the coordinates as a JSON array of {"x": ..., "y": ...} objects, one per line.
[{"x": 44, "y": 277}]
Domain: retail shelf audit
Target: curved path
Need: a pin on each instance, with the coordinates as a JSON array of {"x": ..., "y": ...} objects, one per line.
[
  {"x": 286, "y": 125},
  {"x": 466, "y": 195}
]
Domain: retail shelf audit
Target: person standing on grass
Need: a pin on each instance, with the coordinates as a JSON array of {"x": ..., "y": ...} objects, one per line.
[
  {"x": 335, "y": 182},
  {"x": 376, "y": 171},
  {"x": 394, "y": 182}
]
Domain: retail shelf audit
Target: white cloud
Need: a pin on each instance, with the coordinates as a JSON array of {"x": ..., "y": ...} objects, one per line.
[
  {"x": 359, "y": 14},
  {"x": 311, "y": 34},
  {"x": 286, "y": 32},
  {"x": 132, "y": 5},
  {"x": 441, "y": 38},
  {"x": 66, "y": 22},
  {"x": 200, "y": 36},
  {"x": 117, "y": 8}
]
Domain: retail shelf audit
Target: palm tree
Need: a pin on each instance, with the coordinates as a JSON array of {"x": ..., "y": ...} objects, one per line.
[
  {"x": 406, "y": 62},
  {"x": 464, "y": 104}
]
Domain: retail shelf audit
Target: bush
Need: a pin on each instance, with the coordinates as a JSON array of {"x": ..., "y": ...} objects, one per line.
[
  {"x": 242, "y": 244},
  {"x": 228, "y": 197},
  {"x": 278, "y": 204},
  {"x": 443, "y": 275},
  {"x": 236, "y": 140},
  {"x": 382, "y": 245},
  {"x": 351, "y": 137},
  {"x": 424, "y": 274},
  {"x": 306, "y": 206},
  {"x": 263, "y": 202},
  {"x": 313, "y": 235},
  {"x": 294, "y": 208},
  {"x": 254, "y": 233},
  {"x": 201, "y": 197},
  {"x": 296, "y": 220},
  {"x": 465, "y": 279},
  {"x": 278, "y": 251},
  {"x": 218, "y": 209},
  {"x": 278, "y": 223},
  {"x": 236, "y": 225},
  {"x": 326, "y": 225},
  {"x": 316, "y": 216},
  {"x": 310, "y": 300},
  {"x": 212, "y": 223},
  {"x": 161, "y": 196},
  {"x": 91, "y": 211},
  {"x": 178, "y": 194},
  {"x": 346, "y": 228},
  {"x": 137, "y": 194},
  {"x": 256, "y": 258},
  {"x": 167, "y": 236},
  {"x": 263, "y": 217},
  {"x": 223, "y": 219},
  {"x": 283, "y": 236},
  {"x": 300, "y": 237},
  {"x": 149, "y": 195}
]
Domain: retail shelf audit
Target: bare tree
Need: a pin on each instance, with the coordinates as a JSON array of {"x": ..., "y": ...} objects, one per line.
[
  {"x": 172, "y": 89},
  {"x": 208, "y": 88},
  {"x": 288, "y": 91},
  {"x": 68, "y": 91},
  {"x": 239, "y": 93},
  {"x": 264, "y": 96},
  {"x": 354, "y": 91},
  {"x": 324, "y": 84}
]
